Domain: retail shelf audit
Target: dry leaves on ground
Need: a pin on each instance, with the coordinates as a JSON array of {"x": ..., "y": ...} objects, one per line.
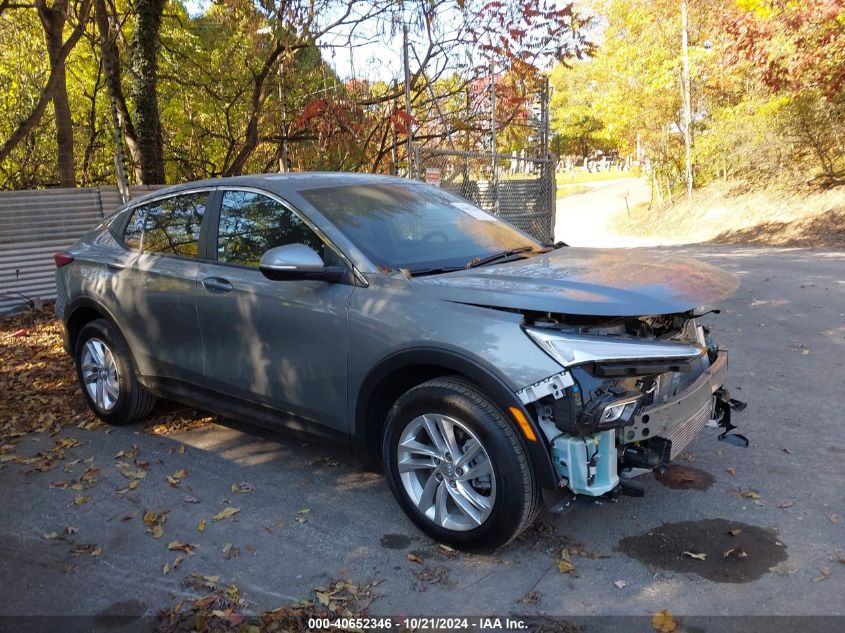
[
  {"x": 40, "y": 391},
  {"x": 223, "y": 610}
]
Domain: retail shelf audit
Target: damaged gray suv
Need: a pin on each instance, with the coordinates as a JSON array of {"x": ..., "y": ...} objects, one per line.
[{"x": 491, "y": 374}]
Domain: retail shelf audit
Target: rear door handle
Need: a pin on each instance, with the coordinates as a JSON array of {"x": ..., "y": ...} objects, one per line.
[
  {"x": 216, "y": 284},
  {"x": 115, "y": 266}
]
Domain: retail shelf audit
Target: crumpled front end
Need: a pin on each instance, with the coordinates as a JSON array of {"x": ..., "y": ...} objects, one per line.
[{"x": 632, "y": 395}]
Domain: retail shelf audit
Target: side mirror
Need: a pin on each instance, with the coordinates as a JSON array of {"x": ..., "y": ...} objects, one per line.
[{"x": 297, "y": 262}]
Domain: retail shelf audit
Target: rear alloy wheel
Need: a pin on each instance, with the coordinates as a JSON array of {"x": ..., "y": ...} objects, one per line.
[
  {"x": 106, "y": 375},
  {"x": 100, "y": 374},
  {"x": 457, "y": 467}
]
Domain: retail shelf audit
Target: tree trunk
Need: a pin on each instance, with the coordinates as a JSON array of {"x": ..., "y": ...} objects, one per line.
[
  {"x": 111, "y": 68},
  {"x": 26, "y": 126},
  {"x": 144, "y": 70},
  {"x": 53, "y": 19}
]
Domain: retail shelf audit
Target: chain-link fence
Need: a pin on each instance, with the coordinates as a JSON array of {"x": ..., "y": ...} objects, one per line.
[{"x": 522, "y": 193}]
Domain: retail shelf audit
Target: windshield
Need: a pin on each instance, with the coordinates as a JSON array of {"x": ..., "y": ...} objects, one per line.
[{"x": 415, "y": 226}]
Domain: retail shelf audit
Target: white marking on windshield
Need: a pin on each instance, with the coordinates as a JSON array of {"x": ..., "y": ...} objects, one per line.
[{"x": 474, "y": 211}]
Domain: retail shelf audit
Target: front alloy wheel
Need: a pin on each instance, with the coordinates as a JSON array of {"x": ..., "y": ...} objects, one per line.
[
  {"x": 446, "y": 472},
  {"x": 457, "y": 467}
]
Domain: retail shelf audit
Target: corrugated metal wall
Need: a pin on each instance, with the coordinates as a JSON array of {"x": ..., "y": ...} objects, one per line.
[{"x": 36, "y": 224}]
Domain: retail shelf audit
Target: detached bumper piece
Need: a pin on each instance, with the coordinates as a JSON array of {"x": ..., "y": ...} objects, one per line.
[{"x": 724, "y": 406}]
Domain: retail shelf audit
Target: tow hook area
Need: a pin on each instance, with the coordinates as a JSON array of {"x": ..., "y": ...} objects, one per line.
[{"x": 725, "y": 405}]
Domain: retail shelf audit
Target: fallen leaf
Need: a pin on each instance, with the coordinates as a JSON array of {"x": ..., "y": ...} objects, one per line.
[
  {"x": 190, "y": 499},
  {"x": 201, "y": 526},
  {"x": 230, "y": 551},
  {"x": 157, "y": 531},
  {"x": 824, "y": 573},
  {"x": 182, "y": 450},
  {"x": 85, "y": 550},
  {"x": 620, "y": 584},
  {"x": 786, "y": 504},
  {"x": 694, "y": 555},
  {"x": 243, "y": 487},
  {"x": 177, "y": 546},
  {"x": 134, "y": 484},
  {"x": 49, "y": 536},
  {"x": 731, "y": 471},
  {"x": 302, "y": 515},
  {"x": 81, "y": 500},
  {"x": 663, "y": 621},
  {"x": 783, "y": 569},
  {"x": 129, "y": 472},
  {"x": 564, "y": 565},
  {"x": 414, "y": 558},
  {"x": 166, "y": 569},
  {"x": 749, "y": 493},
  {"x": 225, "y": 514},
  {"x": 532, "y": 597},
  {"x": 833, "y": 518},
  {"x": 736, "y": 552},
  {"x": 735, "y": 532}
]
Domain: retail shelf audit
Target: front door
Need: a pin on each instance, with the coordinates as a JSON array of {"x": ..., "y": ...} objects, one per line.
[{"x": 282, "y": 344}]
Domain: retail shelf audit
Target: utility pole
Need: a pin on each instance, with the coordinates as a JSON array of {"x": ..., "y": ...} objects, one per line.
[
  {"x": 394, "y": 151},
  {"x": 283, "y": 128},
  {"x": 686, "y": 90},
  {"x": 493, "y": 134},
  {"x": 544, "y": 118},
  {"x": 408, "y": 101}
]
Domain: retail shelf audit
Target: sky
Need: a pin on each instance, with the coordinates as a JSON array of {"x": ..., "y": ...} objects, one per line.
[{"x": 378, "y": 60}]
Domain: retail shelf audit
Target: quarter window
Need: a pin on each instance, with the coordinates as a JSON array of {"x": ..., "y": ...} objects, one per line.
[
  {"x": 135, "y": 229},
  {"x": 172, "y": 225},
  {"x": 251, "y": 224}
]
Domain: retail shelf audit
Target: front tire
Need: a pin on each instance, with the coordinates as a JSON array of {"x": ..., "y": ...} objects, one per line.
[
  {"x": 457, "y": 467},
  {"x": 106, "y": 376}
]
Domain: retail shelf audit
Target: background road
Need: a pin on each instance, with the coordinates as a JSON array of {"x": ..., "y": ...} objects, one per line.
[
  {"x": 786, "y": 330},
  {"x": 582, "y": 218}
]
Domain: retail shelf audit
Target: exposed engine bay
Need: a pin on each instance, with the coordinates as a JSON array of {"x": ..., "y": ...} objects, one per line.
[{"x": 634, "y": 392}]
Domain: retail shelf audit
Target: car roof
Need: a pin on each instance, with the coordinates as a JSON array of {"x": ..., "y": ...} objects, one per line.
[{"x": 280, "y": 184}]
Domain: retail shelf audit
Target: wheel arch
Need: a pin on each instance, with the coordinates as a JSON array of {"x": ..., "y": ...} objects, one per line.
[
  {"x": 401, "y": 371},
  {"x": 82, "y": 311}
]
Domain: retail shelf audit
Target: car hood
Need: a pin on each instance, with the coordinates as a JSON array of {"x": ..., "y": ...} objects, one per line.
[{"x": 587, "y": 281}]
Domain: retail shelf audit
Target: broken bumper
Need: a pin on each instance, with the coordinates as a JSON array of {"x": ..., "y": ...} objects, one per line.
[{"x": 679, "y": 420}]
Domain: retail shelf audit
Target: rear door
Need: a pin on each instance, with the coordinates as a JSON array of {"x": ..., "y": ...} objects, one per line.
[
  {"x": 151, "y": 286},
  {"x": 281, "y": 344}
]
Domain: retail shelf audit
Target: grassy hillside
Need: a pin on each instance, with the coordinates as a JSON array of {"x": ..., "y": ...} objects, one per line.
[{"x": 735, "y": 214}]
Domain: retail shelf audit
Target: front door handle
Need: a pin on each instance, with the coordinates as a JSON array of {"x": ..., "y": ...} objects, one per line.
[
  {"x": 216, "y": 284},
  {"x": 115, "y": 266}
]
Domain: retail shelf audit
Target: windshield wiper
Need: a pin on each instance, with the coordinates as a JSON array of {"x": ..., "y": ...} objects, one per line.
[
  {"x": 419, "y": 272},
  {"x": 481, "y": 261}
]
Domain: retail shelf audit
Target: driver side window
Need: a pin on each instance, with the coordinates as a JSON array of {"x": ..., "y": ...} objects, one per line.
[{"x": 251, "y": 224}]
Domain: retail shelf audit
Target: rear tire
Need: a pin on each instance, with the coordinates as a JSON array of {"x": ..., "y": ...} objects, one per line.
[
  {"x": 106, "y": 376},
  {"x": 436, "y": 488}
]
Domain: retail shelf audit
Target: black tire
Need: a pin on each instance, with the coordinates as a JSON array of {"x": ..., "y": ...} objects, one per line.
[
  {"x": 133, "y": 402},
  {"x": 517, "y": 497}
]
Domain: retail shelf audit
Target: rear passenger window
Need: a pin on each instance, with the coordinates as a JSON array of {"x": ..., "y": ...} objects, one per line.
[
  {"x": 172, "y": 225},
  {"x": 251, "y": 224}
]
